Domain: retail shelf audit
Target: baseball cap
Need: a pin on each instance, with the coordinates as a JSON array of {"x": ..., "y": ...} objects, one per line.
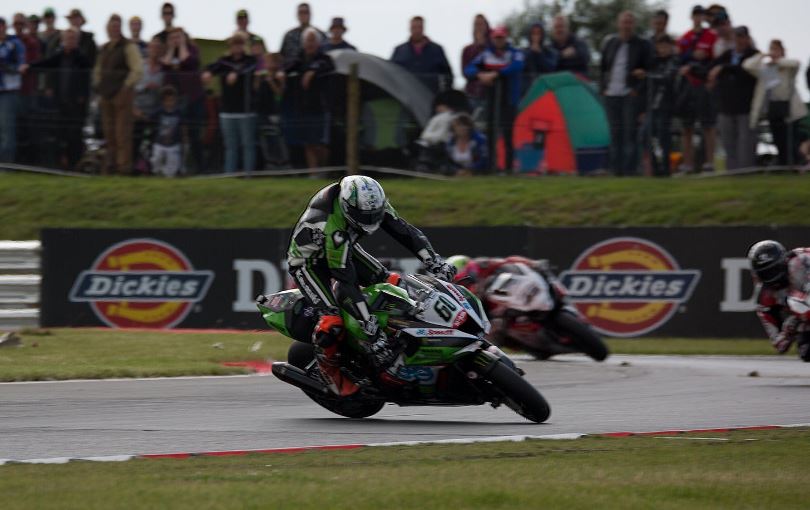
[
  {"x": 75, "y": 12},
  {"x": 242, "y": 13},
  {"x": 33, "y": 18},
  {"x": 698, "y": 9},
  {"x": 500, "y": 31},
  {"x": 338, "y": 23},
  {"x": 49, "y": 12}
]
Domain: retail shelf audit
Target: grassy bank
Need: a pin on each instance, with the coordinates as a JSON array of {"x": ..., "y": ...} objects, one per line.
[
  {"x": 30, "y": 202},
  {"x": 100, "y": 353},
  {"x": 736, "y": 470}
]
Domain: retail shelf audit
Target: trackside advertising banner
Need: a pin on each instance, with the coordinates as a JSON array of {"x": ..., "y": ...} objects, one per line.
[{"x": 690, "y": 282}]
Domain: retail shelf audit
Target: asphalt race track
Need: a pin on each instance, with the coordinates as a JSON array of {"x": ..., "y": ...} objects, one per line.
[{"x": 626, "y": 393}]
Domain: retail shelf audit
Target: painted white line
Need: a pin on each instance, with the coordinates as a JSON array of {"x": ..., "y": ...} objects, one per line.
[
  {"x": 108, "y": 458},
  {"x": 54, "y": 460},
  {"x": 127, "y": 379},
  {"x": 485, "y": 439},
  {"x": 466, "y": 440}
]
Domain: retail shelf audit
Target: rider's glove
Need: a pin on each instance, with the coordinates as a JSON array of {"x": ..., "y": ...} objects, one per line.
[{"x": 440, "y": 269}]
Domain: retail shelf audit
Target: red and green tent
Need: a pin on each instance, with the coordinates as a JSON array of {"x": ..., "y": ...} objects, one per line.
[{"x": 560, "y": 127}]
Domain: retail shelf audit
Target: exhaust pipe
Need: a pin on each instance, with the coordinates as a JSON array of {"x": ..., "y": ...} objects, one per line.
[{"x": 293, "y": 375}]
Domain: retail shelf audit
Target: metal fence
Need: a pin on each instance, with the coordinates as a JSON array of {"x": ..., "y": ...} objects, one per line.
[{"x": 19, "y": 284}]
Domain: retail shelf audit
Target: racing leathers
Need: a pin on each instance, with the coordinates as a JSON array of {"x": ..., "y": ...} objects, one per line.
[
  {"x": 477, "y": 275},
  {"x": 783, "y": 311},
  {"x": 478, "y": 271},
  {"x": 329, "y": 266}
]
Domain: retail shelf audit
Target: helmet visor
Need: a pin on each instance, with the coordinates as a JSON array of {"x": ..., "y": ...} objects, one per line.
[
  {"x": 771, "y": 273},
  {"x": 369, "y": 221}
]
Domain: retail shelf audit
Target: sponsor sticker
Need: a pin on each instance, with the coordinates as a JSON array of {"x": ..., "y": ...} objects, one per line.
[
  {"x": 460, "y": 318},
  {"x": 628, "y": 286},
  {"x": 141, "y": 283}
]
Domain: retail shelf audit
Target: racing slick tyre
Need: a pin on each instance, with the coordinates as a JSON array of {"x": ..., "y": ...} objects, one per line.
[
  {"x": 583, "y": 337},
  {"x": 520, "y": 396},
  {"x": 302, "y": 355}
]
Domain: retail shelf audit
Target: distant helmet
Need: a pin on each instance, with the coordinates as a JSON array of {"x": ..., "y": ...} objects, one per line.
[
  {"x": 769, "y": 263},
  {"x": 362, "y": 201},
  {"x": 467, "y": 270},
  {"x": 458, "y": 261}
]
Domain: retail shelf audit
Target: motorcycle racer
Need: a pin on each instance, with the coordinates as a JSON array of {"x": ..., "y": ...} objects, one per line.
[
  {"x": 474, "y": 273},
  {"x": 527, "y": 307},
  {"x": 328, "y": 264},
  {"x": 782, "y": 302}
]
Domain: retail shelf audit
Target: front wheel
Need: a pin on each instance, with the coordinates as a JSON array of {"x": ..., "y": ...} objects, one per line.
[
  {"x": 520, "y": 396},
  {"x": 582, "y": 336}
]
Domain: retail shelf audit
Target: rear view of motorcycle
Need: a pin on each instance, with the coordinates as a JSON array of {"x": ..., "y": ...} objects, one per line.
[
  {"x": 530, "y": 313},
  {"x": 444, "y": 357}
]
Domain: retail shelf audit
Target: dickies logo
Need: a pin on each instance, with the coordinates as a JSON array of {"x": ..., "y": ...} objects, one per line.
[
  {"x": 141, "y": 283},
  {"x": 628, "y": 286}
]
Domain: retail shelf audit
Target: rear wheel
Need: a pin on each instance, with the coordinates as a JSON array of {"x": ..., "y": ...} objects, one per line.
[
  {"x": 302, "y": 355},
  {"x": 520, "y": 396},
  {"x": 583, "y": 337}
]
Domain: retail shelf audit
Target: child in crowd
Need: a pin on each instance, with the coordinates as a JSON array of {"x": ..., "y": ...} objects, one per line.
[
  {"x": 467, "y": 148},
  {"x": 167, "y": 149}
]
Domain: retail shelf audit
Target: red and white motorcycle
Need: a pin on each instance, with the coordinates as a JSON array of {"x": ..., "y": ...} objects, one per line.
[{"x": 528, "y": 311}]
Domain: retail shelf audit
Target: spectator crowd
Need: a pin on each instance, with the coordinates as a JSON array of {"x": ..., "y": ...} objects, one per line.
[{"x": 136, "y": 105}]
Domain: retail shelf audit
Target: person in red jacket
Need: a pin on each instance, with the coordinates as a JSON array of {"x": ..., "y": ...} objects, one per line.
[
  {"x": 694, "y": 102},
  {"x": 783, "y": 305}
]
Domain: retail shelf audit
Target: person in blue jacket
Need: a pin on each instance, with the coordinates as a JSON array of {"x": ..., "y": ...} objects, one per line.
[
  {"x": 12, "y": 57},
  {"x": 424, "y": 58},
  {"x": 540, "y": 58},
  {"x": 499, "y": 68},
  {"x": 467, "y": 149}
]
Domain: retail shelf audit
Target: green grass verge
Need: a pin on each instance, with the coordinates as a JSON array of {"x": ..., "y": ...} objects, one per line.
[
  {"x": 30, "y": 202},
  {"x": 98, "y": 354},
  {"x": 739, "y": 470},
  {"x": 101, "y": 353}
]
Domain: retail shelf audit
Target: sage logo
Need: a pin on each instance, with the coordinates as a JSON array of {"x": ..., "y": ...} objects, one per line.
[
  {"x": 628, "y": 286},
  {"x": 141, "y": 283}
]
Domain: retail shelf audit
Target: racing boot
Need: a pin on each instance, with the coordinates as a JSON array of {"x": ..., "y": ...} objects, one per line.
[{"x": 326, "y": 337}]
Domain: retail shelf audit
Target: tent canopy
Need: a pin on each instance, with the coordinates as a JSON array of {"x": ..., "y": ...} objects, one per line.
[
  {"x": 561, "y": 126},
  {"x": 390, "y": 77}
]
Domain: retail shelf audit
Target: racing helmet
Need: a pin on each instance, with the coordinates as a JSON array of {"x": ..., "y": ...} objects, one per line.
[
  {"x": 458, "y": 261},
  {"x": 362, "y": 201},
  {"x": 769, "y": 263},
  {"x": 466, "y": 270}
]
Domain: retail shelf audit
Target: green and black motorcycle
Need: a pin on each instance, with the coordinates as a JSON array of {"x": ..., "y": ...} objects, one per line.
[{"x": 443, "y": 360}]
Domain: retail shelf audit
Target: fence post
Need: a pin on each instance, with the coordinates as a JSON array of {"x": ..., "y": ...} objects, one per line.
[{"x": 352, "y": 120}]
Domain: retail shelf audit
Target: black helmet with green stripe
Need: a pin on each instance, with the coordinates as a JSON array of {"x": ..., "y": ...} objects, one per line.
[{"x": 362, "y": 201}]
